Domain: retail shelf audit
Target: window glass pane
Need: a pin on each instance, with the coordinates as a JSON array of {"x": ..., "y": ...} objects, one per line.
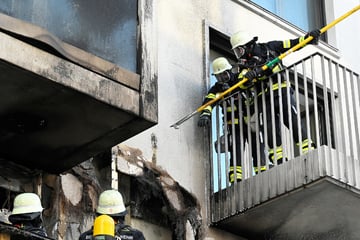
[
  {"x": 106, "y": 29},
  {"x": 305, "y": 14},
  {"x": 295, "y": 12},
  {"x": 267, "y": 4}
]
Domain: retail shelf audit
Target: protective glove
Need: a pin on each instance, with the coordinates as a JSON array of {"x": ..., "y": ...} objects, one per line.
[
  {"x": 250, "y": 75},
  {"x": 315, "y": 34},
  {"x": 204, "y": 120},
  {"x": 255, "y": 73}
]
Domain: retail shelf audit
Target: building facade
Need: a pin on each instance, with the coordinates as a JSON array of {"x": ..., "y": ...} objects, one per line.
[{"x": 91, "y": 93}]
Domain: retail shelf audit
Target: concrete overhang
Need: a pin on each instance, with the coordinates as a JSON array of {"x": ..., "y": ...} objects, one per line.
[
  {"x": 306, "y": 202},
  {"x": 323, "y": 208},
  {"x": 55, "y": 113}
]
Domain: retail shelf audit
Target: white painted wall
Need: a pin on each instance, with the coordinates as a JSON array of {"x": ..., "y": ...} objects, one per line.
[
  {"x": 348, "y": 34},
  {"x": 183, "y": 80}
]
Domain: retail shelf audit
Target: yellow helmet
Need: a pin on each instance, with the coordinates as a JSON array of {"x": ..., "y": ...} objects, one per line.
[
  {"x": 104, "y": 228},
  {"x": 111, "y": 203},
  {"x": 27, "y": 203},
  {"x": 220, "y": 65},
  {"x": 240, "y": 38}
]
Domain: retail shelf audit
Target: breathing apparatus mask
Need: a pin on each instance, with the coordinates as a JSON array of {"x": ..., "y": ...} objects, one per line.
[
  {"x": 240, "y": 50},
  {"x": 223, "y": 77}
]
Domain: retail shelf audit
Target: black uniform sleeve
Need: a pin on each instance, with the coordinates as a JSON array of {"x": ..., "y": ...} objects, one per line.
[
  {"x": 210, "y": 96},
  {"x": 282, "y": 46}
]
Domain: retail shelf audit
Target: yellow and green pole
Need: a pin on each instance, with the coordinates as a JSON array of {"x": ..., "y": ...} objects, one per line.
[{"x": 265, "y": 67}]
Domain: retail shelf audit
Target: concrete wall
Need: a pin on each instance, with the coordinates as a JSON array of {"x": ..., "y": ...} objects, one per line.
[{"x": 183, "y": 63}]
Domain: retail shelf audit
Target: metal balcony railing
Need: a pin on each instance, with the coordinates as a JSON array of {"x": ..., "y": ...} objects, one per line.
[{"x": 324, "y": 116}]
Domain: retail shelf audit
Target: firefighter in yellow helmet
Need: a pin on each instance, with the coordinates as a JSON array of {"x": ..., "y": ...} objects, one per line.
[
  {"x": 111, "y": 203},
  {"x": 27, "y": 213},
  {"x": 252, "y": 56},
  {"x": 223, "y": 71}
]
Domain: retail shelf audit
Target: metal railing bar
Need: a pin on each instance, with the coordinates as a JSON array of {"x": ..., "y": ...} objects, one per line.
[
  {"x": 348, "y": 92},
  {"x": 335, "y": 160},
  {"x": 356, "y": 127},
  {"x": 316, "y": 109},
  {"x": 220, "y": 192},
  {"x": 327, "y": 120}
]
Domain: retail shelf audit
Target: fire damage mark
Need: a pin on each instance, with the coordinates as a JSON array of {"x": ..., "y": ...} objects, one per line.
[{"x": 158, "y": 197}]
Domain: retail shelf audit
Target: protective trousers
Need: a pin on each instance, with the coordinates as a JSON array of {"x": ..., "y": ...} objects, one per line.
[
  {"x": 281, "y": 103},
  {"x": 237, "y": 148}
]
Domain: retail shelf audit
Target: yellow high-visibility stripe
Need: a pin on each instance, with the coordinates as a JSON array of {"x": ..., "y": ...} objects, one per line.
[
  {"x": 277, "y": 149},
  {"x": 211, "y": 96},
  {"x": 275, "y": 87},
  {"x": 279, "y": 156},
  {"x": 282, "y": 85},
  {"x": 232, "y": 177},
  {"x": 230, "y": 109},
  {"x": 238, "y": 169},
  {"x": 209, "y": 108},
  {"x": 286, "y": 44},
  {"x": 276, "y": 69},
  {"x": 306, "y": 145},
  {"x": 232, "y": 173},
  {"x": 236, "y": 121},
  {"x": 262, "y": 168}
]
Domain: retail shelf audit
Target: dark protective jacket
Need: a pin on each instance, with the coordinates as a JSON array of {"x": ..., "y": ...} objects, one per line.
[
  {"x": 31, "y": 222},
  {"x": 122, "y": 232},
  {"x": 246, "y": 98},
  {"x": 262, "y": 53},
  {"x": 216, "y": 89}
]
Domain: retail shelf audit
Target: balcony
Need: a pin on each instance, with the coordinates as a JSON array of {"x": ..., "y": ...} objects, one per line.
[
  {"x": 310, "y": 194},
  {"x": 60, "y": 105}
]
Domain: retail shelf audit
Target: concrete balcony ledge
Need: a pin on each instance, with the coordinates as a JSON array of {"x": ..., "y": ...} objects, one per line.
[
  {"x": 55, "y": 114},
  {"x": 300, "y": 199},
  {"x": 40, "y": 37}
]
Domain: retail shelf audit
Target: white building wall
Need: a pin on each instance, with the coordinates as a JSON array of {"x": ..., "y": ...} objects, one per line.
[
  {"x": 348, "y": 34},
  {"x": 183, "y": 75}
]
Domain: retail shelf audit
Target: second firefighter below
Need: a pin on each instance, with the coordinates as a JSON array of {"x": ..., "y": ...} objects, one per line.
[{"x": 241, "y": 133}]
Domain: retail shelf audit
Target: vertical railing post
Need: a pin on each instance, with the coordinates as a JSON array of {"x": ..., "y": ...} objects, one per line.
[
  {"x": 329, "y": 166},
  {"x": 349, "y": 114},
  {"x": 316, "y": 109}
]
